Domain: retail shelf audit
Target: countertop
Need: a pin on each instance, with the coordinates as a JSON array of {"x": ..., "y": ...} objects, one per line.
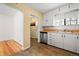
[{"x": 76, "y": 32}]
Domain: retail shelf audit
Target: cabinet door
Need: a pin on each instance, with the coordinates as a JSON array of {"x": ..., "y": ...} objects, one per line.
[
  {"x": 69, "y": 42},
  {"x": 48, "y": 19},
  {"x": 73, "y": 6},
  {"x": 58, "y": 44},
  {"x": 45, "y": 21},
  {"x": 64, "y": 9},
  {"x": 59, "y": 40},
  {"x": 78, "y": 17},
  {"x": 59, "y": 37},
  {"x": 52, "y": 38},
  {"x": 77, "y": 44},
  {"x": 50, "y": 41}
]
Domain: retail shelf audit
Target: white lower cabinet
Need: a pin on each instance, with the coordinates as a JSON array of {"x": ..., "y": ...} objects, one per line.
[
  {"x": 70, "y": 42},
  {"x": 77, "y": 44},
  {"x": 58, "y": 40},
  {"x": 55, "y": 39},
  {"x": 49, "y": 38},
  {"x": 59, "y": 44},
  {"x": 64, "y": 40}
]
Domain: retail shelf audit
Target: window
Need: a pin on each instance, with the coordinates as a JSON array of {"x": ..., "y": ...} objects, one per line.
[
  {"x": 77, "y": 21},
  {"x": 67, "y": 21},
  {"x": 73, "y": 21}
]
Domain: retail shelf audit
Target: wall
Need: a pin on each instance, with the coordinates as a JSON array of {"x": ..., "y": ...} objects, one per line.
[
  {"x": 18, "y": 27},
  {"x": 6, "y": 27},
  {"x": 27, "y": 20},
  {"x": 11, "y": 24}
]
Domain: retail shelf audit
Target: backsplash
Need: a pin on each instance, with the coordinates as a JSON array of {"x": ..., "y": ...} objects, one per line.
[{"x": 62, "y": 27}]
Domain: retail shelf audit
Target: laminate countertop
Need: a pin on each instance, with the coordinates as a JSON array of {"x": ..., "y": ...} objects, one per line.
[
  {"x": 76, "y": 32},
  {"x": 47, "y": 31}
]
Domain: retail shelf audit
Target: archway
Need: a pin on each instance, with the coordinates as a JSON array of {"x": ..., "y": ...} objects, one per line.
[{"x": 34, "y": 28}]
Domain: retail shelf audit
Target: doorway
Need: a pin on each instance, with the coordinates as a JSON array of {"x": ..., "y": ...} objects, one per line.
[{"x": 34, "y": 29}]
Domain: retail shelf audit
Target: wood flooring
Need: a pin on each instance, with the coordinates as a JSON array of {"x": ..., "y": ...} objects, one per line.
[
  {"x": 12, "y": 48},
  {"x": 39, "y": 49},
  {"x": 9, "y": 47}
]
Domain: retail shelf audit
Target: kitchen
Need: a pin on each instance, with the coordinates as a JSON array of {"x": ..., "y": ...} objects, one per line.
[
  {"x": 57, "y": 32},
  {"x": 61, "y": 27},
  {"x": 40, "y": 29}
]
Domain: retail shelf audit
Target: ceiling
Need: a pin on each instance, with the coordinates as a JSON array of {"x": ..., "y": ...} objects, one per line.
[{"x": 44, "y": 7}]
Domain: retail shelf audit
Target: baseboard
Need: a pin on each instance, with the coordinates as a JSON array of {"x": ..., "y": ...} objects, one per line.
[{"x": 26, "y": 48}]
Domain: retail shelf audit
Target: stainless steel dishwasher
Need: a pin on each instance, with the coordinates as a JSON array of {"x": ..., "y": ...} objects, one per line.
[{"x": 43, "y": 37}]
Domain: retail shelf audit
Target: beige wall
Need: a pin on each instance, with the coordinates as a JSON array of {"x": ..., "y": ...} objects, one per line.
[{"x": 27, "y": 19}]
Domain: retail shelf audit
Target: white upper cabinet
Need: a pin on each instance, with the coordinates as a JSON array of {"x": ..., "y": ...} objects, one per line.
[
  {"x": 73, "y": 6},
  {"x": 48, "y": 19},
  {"x": 68, "y": 7},
  {"x": 78, "y": 17},
  {"x": 56, "y": 17},
  {"x": 55, "y": 11},
  {"x": 63, "y": 9}
]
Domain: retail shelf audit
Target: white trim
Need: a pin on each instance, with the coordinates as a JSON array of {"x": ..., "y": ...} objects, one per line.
[{"x": 25, "y": 48}]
